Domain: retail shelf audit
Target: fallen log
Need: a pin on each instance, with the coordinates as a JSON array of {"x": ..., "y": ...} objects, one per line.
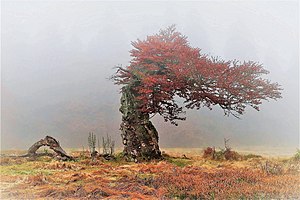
[{"x": 53, "y": 144}]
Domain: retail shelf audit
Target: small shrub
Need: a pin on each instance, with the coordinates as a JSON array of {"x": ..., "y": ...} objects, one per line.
[
  {"x": 108, "y": 145},
  {"x": 231, "y": 155},
  {"x": 296, "y": 157},
  {"x": 271, "y": 168},
  {"x": 219, "y": 155},
  {"x": 209, "y": 152},
  {"x": 120, "y": 156},
  {"x": 92, "y": 144},
  {"x": 222, "y": 154}
]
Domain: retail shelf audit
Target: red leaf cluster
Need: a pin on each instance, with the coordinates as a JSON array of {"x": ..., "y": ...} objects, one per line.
[{"x": 165, "y": 65}]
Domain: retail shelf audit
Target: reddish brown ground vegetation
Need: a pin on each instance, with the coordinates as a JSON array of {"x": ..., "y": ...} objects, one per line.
[
  {"x": 181, "y": 178},
  {"x": 222, "y": 154}
]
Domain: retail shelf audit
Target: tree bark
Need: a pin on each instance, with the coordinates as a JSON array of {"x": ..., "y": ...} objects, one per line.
[{"x": 139, "y": 136}]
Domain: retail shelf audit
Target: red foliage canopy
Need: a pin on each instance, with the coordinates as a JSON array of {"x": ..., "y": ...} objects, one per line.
[{"x": 165, "y": 65}]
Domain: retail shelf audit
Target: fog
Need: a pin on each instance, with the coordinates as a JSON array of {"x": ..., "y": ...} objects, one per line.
[{"x": 57, "y": 58}]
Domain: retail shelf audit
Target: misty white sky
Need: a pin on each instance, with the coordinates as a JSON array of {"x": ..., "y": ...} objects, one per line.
[{"x": 57, "y": 56}]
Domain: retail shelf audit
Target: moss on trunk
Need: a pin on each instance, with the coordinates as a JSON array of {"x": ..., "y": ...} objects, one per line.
[{"x": 139, "y": 136}]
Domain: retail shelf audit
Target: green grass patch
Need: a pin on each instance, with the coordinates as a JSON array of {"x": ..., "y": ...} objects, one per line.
[
  {"x": 249, "y": 156},
  {"x": 180, "y": 162},
  {"x": 23, "y": 169}
]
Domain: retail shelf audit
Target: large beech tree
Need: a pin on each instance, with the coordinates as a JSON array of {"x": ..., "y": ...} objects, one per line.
[{"x": 165, "y": 66}]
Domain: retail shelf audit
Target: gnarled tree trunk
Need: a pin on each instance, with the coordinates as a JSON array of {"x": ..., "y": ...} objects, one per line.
[{"x": 139, "y": 136}]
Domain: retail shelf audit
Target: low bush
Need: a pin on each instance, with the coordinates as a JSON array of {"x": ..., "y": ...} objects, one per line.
[{"x": 222, "y": 154}]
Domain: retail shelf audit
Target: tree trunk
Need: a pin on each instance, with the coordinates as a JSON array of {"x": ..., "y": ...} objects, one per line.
[{"x": 139, "y": 136}]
